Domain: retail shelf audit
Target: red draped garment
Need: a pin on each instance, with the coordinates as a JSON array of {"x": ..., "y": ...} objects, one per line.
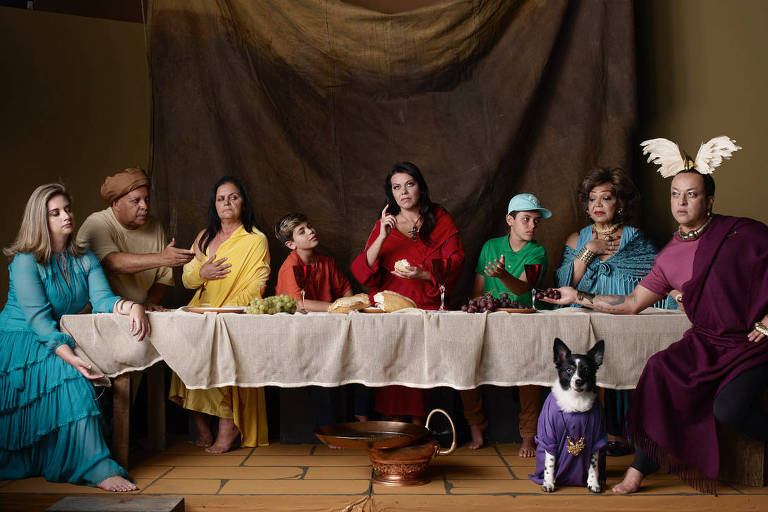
[{"x": 444, "y": 244}]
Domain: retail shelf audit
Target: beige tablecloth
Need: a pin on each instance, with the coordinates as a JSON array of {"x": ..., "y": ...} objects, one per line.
[{"x": 411, "y": 347}]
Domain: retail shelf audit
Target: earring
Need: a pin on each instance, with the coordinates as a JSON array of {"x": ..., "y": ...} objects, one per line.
[{"x": 620, "y": 211}]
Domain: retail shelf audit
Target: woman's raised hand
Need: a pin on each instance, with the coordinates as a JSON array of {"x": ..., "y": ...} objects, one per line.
[
  {"x": 388, "y": 223},
  {"x": 214, "y": 269},
  {"x": 138, "y": 322},
  {"x": 600, "y": 247}
]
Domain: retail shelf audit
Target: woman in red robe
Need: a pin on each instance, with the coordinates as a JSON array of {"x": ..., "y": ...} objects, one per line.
[{"x": 413, "y": 228}]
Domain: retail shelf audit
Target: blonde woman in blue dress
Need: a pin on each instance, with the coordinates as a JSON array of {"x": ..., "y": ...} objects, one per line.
[{"x": 49, "y": 421}]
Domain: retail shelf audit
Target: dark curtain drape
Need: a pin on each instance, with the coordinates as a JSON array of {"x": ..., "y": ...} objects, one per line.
[{"x": 311, "y": 102}]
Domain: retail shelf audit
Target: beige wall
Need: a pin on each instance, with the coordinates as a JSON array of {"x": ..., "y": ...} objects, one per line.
[
  {"x": 703, "y": 73},
  {"x": 75, "y": 103}
]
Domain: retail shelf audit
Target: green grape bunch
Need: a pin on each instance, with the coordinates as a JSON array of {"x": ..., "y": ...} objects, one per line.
[{"x": 272, "y": 305}]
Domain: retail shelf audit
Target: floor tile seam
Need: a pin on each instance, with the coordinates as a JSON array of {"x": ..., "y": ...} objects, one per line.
[
  {"x": 506, "y": 464},
  {"x": 170, "y": 468},
  {"x": 222, "y": 483},
  {"x": 242, "y": 462}
]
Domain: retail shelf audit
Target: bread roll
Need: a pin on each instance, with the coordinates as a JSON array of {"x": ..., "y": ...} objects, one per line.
[
  {"x": 347, "y": 304},
  {"x": 402, "y": 265},
  {"x": 392, "y": 301}
]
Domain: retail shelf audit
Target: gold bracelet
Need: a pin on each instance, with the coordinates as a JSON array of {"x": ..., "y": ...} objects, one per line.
[
  {"x": 585, "y": 255},
  {"x": 761, "y": 328}
]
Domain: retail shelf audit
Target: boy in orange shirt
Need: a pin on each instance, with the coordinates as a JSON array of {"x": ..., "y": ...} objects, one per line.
[{"x": 324, "y": 284}]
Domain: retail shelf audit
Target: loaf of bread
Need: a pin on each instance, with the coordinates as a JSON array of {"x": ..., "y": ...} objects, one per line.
[
  {"x": 347, "y": 304},
  {"x": 392, "y": 301}
]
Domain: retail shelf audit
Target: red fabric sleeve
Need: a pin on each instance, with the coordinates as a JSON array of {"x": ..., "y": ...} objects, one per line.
[
  {"x": 286, "y": 282},
  {"x": 368, "y": 276}
]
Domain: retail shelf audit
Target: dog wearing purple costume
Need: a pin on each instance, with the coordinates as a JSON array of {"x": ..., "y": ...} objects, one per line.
[{"x": 570, "y": 435}]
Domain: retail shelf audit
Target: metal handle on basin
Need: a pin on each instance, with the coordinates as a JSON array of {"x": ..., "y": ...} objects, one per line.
[{"x": 453, "y": 430}]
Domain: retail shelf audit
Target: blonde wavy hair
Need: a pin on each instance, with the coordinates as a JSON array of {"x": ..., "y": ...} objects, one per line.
[{"x": 34, "y": 236}]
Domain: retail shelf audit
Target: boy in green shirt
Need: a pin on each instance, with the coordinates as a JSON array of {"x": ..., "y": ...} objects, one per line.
[{"x": 500, "y": 269}]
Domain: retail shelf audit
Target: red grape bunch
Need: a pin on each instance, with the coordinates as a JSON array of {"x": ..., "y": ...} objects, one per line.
[
  {"x": 549, "y": 293},
  {"x": 488, "y": 303}
]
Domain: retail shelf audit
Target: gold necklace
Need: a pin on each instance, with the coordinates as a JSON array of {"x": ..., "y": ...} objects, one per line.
[{"x": 606, "y": 231}]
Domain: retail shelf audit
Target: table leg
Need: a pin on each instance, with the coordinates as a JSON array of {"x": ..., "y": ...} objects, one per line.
[
  {"x": 121, "y": 428},
  {"x": 156, "y": 406}
]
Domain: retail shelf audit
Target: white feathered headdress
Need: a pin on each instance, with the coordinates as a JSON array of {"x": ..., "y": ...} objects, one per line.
[{"x": 672, "y": 159}]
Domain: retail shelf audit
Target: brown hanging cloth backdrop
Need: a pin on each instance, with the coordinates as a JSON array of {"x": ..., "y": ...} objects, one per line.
[{"x": 312, "y": 102}]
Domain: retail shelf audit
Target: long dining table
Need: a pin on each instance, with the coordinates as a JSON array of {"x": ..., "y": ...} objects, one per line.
[{"x": 416, "y": 348}]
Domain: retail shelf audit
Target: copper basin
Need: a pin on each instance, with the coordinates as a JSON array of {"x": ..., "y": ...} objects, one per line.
[{"x": 400, "y": 452}]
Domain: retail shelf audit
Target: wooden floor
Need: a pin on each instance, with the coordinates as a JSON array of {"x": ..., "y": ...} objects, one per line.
[{"x": 312, "y": 477}]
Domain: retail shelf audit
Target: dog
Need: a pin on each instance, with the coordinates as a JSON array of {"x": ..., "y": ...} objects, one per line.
[{"x": 571, "y": 424}]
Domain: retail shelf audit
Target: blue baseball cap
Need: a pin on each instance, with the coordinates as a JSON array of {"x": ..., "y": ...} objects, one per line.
[{"x": 527, "y": 203}]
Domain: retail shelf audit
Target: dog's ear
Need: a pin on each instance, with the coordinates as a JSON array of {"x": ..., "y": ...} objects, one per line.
[
  {"x": 596, "y": 352},
  {"x": 561, "y": 351}
]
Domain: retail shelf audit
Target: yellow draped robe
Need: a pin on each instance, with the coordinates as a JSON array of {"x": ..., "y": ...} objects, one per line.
[{"x": 248, "y": 253}]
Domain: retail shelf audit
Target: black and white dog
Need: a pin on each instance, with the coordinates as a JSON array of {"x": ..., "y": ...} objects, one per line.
[{"x": 571, "y": 428}]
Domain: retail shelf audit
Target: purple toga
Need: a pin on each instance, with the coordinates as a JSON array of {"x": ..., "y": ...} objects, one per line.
[
  {"x": 671, "y": 416},
  {"x": 554, "y": 428}
]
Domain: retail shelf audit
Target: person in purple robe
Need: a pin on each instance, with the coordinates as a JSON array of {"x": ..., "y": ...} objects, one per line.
[{"x": 716, "y": 268}]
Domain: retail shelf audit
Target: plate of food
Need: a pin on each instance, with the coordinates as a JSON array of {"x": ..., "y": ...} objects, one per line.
[
  {"x": 517, "y": 310},
  {"x": 209, "y": 309}
]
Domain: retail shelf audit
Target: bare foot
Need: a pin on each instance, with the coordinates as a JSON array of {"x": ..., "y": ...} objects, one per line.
[
  {"x": 528, "y": 448},
  {"x": 203, "y": 436},
  {"x": 361, "y": 417},
  {"x": 631, "y": 483},
  {"x": 477, "y": 435},
  {"x": 228, "y": 432},
  {"x": 117, "y": 484}
]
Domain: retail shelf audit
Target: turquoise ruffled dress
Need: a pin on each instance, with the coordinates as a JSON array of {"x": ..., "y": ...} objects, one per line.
[
  {"x": 49, "y": 420},
  {"x": 619, "y": 274}
]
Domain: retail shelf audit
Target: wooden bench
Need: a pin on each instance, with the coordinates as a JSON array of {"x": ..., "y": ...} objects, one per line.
[
  {"x": 117, "y": 504},
  {"x": 743, "y": 460}
]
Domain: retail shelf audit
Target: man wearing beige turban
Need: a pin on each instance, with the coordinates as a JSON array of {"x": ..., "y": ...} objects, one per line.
[{"x": 130, "y": 243}]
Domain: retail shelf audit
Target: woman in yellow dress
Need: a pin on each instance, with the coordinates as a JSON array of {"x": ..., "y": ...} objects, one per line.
[{"x": 231, "y": 267}]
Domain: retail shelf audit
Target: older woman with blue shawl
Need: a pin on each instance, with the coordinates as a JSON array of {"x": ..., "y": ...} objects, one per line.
[{"x": 608, "y": 257}]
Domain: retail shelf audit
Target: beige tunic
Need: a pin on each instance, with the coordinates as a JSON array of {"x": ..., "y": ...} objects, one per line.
[{"x": 103, "y": 234}]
